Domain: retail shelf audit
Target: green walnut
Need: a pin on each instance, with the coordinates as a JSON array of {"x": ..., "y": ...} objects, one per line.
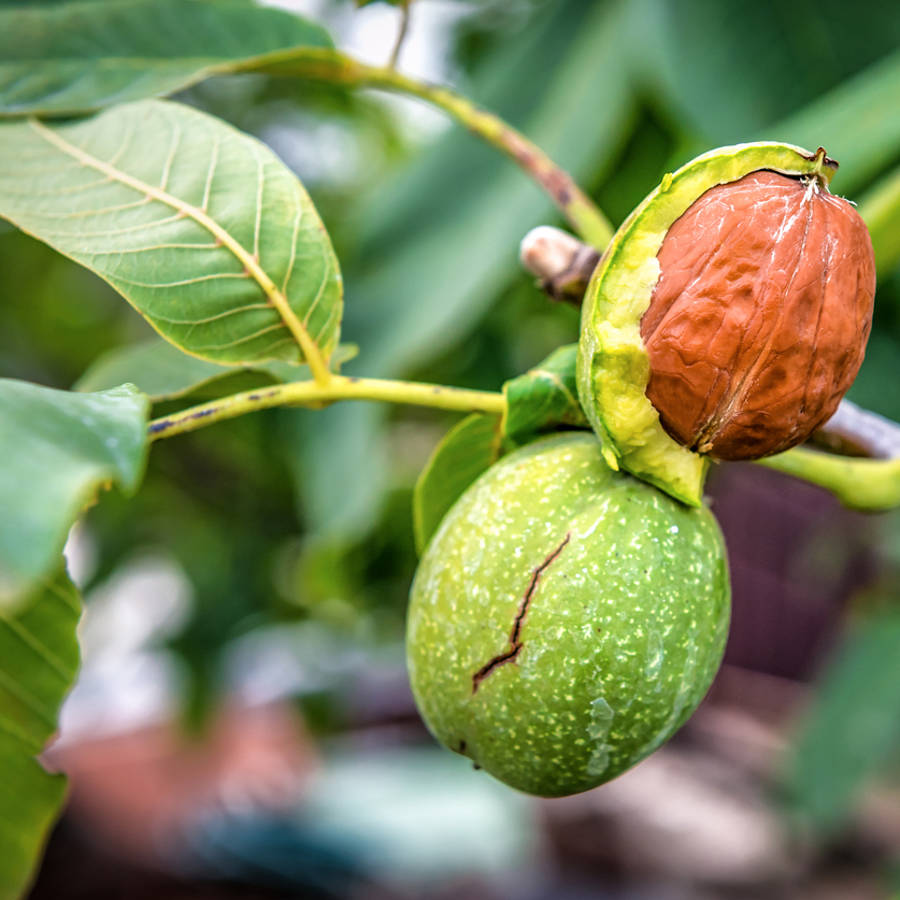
[{"x": 565, "y": 619}]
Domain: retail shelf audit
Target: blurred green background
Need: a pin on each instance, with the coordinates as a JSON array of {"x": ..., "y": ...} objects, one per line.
[{"x": 298, "y": 523}]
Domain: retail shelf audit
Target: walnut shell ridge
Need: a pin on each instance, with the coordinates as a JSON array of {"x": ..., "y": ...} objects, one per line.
[{"x": 758, "y": 323}]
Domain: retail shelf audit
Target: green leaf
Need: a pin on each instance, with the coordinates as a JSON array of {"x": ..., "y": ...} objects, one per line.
[
  {"x": 855, "y": 120},
  {"x": 201, "y": 228},
  {"x": 880, "y": 208},
  {"x": 20, "y": 4},
  {"x": 468, "y": 449},
  {"x": 878, "y": 370},
  {"x": 163, "y": 372},
  {"x": 30, "y": 801},
  {"x": 58, "y": 449},
  {"x": 339, "y": 498},
  {"x": 544, "y": 397},
  {"x": 853, "y": 726},
  {"x": 38, "y": 662},
  {"x": 730, "y": 69},
  {"x": 79, "y": 57}
]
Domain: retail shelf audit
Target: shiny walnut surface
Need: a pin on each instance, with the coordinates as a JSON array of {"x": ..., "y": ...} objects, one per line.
[{"x": 758, "y": 324}]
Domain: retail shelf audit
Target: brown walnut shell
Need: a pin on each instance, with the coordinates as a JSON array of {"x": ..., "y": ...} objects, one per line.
[{"x": 758, "y": 323}]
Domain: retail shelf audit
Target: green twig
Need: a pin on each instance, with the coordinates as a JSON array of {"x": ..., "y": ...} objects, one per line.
[
  {"x": 866, "y": 484},
  {"x": 328, "y": 65},
  {"x": 313, "y": 394}
]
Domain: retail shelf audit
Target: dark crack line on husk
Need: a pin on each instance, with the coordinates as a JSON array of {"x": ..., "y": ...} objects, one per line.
[{"x": 515, "y": 643}]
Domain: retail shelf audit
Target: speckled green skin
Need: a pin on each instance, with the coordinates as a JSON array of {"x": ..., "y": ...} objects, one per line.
[{"x": 621, "y": 637}]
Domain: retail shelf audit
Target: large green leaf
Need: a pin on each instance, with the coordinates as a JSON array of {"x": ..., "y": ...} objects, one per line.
[
  {"x": 340, "y": 462},
  {"x": 38, "y": 662},
  {"x": 468, "y": 449},
  {"x": 201, "y": 228},
  {"x": 728, "y": 69},
  {"x": 853, "y": 726},
  {"x": 58, "y": 448},
  {"x": 838, "y": 89},
  {"x": 163, "y": 372},
  {"x": 544, "y": 397},
  {"x": 82, "y": 56}
]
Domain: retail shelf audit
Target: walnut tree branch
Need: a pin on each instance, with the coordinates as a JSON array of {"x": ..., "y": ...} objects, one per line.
[{"x": 338, "y": 68}]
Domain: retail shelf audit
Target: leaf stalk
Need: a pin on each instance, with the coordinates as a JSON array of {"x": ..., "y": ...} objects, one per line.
[
  {"x": 315, "y": 394},
  {"x": 870, "y": 485}
]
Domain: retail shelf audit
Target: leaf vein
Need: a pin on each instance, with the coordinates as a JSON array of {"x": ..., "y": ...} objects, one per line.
[
  {"x": 27, "y": 699},
  {"x": 244, "y": 339},
  {"x": 39, "y": 648},
  {"x": 206, "y": 319},
  {"x": 112, "y": 232},
  {"x": 170, "y": 158},
  {"x": 260, "y": 184},
  {"x": 210, "y": 175},
  {"x": 149, "y": 248},
  {"x": 64, "y": 596},
  {"x": 153, "y": 285},
  {"x": 94, "y": 212},
  {"x": 290, "y": 268}
]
